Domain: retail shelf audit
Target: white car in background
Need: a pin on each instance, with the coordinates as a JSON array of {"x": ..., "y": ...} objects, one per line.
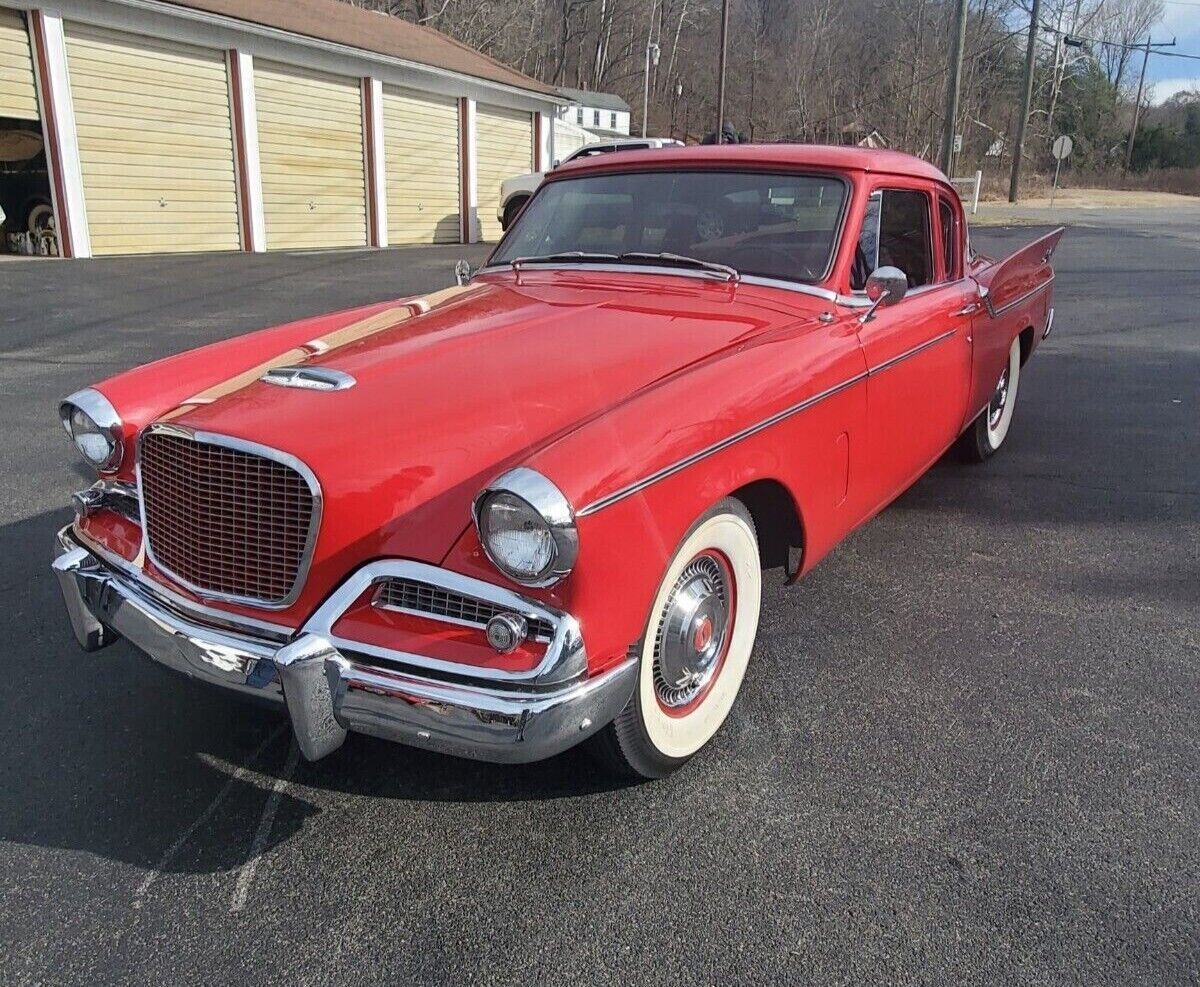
[{"x": 515, "y": 192}]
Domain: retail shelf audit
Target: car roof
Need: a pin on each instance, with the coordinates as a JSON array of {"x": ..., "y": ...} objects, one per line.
[{"x": 816, "y": 156}]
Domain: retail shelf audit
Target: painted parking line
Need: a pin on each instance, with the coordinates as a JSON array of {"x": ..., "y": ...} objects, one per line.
[
  {"x": 261, "y": 835},
  {"x": 207, "y": 814}
]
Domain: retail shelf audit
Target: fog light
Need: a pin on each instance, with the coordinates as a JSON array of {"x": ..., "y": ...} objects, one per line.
[{"x": 506, "y": 632}]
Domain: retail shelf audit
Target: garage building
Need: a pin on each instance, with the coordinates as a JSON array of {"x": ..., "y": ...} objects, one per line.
[{"x": 203, "y": 125}]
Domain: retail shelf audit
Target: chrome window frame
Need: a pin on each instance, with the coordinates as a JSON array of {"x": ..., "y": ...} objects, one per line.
[{"x": 255, "y": 449}]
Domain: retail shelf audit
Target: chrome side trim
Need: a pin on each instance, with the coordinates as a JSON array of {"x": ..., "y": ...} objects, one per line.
[
  {"x": 1049, "y": 323},
  {"x": 254, "y": 448},
  {"x": 565, "y": 658},
  {"x": 662, "y": 474},
  {"x": 997, "y": 312},
  {"x": 900, "y": 358}
]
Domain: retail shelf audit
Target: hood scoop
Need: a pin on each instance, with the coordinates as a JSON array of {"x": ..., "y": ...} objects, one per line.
[{"x": 309, "y": 378}]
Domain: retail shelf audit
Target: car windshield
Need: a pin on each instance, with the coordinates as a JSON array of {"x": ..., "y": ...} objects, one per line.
[{"x": 776, "y": 226}]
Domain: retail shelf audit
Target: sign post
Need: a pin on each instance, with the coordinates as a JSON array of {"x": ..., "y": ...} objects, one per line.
[{"x": 1062, "y": 150}]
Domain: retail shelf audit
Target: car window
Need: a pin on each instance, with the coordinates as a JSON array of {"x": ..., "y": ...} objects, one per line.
[
  {"x": 772, "y": 225},
  {"x": 950, "y": 252},
  {"x": 896, "y": 233}
]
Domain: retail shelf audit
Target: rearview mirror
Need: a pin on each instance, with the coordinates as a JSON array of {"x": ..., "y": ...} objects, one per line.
[{"x": 885, "y": 286}]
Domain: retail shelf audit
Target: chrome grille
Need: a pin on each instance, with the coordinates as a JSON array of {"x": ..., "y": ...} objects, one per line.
[
  {"x": 224, "y": 520},
  {"x": 424, "y": 599}
]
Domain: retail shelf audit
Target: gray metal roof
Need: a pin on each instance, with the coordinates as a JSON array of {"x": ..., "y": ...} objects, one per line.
[{"x": 602, "y": 101}]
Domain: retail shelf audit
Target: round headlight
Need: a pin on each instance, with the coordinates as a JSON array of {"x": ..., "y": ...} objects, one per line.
[
  {"x": 94, "y": 427},
  {"x": 527, "y": 528}
]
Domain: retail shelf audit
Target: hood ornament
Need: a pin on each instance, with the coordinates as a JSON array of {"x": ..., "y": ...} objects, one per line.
[{"x": 309, "y": 378}]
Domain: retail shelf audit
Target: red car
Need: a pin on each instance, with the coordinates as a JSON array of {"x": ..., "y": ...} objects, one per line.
[{"x": 535, "y": 509}]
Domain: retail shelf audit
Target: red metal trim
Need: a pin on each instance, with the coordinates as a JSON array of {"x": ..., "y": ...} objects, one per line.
[
  {"x": 50, "y": 135},
  {"x": 368, "y": 108},
  {"x": 464, "y": 173},
  {"x": 239, "y": 149}
]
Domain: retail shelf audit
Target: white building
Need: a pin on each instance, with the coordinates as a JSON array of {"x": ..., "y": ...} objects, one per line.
[{"x": 604, "y": 114}]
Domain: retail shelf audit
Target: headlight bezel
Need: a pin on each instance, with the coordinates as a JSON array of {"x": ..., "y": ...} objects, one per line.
[
  {"x": 104, "y": 418},
  {"x": 547, "y": 502}
]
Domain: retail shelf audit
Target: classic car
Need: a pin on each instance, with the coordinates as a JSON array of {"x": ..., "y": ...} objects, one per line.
[{"x": 535, "y": 508}]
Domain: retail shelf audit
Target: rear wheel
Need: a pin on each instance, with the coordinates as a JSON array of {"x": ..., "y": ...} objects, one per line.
[
  {"x": 695, "y": 650},
  {"x": 987, "y": 433}
]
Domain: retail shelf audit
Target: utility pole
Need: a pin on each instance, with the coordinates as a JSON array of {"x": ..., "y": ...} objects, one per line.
[
  {"x": 1137, "y": 109},
  {"x": 1026, "y": 103},
  {"x": 721, "y": 71},
  {"x": 952, "y": 89}
]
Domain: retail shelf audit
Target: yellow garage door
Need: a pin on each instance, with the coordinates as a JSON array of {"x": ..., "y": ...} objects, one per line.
[
  {"x": 420, "y": 136},
  {"x": 310, "y": 144},
  {"x": 504, "y": 148},
  {"x": 18, "y": 95},
  {"x": 155, "y": 143}
]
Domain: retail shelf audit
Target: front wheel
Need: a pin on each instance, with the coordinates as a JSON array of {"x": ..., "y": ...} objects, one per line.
[
  {"x": 695, "y": 650},
  {"x": 987, "y": 433}
]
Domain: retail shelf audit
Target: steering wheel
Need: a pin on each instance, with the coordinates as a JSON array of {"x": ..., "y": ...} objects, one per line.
[{"x": 780, "y": 254}]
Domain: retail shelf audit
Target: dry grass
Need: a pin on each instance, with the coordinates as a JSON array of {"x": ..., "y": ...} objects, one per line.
[
  {"x": 1034, "y": 185},
  {"x": 995, "y": 185},
  {"x": 1181, "y": 181}
]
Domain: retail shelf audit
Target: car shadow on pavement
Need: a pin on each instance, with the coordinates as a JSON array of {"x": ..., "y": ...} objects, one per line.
[{"x": 110, "y": 754}]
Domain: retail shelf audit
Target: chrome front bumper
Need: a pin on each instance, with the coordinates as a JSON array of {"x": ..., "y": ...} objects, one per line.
[{"x": 328, "y": 692}]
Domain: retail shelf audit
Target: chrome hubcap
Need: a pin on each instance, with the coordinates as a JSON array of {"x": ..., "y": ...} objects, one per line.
[
  {"x": 692, "y": 633},
  {"x": 999, "y": 400}
]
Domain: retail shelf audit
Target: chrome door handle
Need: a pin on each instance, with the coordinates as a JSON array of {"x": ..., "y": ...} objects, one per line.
[{"x": 967, "y": 309}]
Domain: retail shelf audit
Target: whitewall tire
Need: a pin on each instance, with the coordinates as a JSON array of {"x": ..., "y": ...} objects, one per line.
[
  {"x": 987, "y": 433},
  {"x": 694, "y": 653}
]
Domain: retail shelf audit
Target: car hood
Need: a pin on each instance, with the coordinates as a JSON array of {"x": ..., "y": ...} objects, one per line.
[{"x": 446, "y": 396}]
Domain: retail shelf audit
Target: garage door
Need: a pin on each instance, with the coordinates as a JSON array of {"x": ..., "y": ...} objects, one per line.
[
  {"x": 310, "y": 145},
  {"x": 18, "y": 96},
  {"x": 504, "y": 148},
  {"x": 155, "y": 143},
  {"x": 420, "y": 137}
]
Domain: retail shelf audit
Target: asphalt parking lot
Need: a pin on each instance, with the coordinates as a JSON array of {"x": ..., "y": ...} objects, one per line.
[{"x": 966, "y": 751}]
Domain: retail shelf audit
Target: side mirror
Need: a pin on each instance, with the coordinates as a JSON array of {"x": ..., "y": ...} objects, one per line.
[
  {"x": 885, "y": 286},
  {"x": 557, "y": 162},
  {"x": 462, "y": 272}
]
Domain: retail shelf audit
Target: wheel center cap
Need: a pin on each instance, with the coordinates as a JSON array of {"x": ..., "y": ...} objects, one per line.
[{"x": 692, "y": 633}]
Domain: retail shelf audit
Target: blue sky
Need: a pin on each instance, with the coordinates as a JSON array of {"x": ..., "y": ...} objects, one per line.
[{"x": 1181, "y": 20}]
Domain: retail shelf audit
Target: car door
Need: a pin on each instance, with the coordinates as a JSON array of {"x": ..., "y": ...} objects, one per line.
[{"x": 918, "y": 350}]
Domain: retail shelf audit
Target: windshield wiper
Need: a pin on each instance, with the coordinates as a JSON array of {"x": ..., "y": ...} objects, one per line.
[
  {"x": 573, "y": 256},
  {"x": 680, "y": 260}
]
